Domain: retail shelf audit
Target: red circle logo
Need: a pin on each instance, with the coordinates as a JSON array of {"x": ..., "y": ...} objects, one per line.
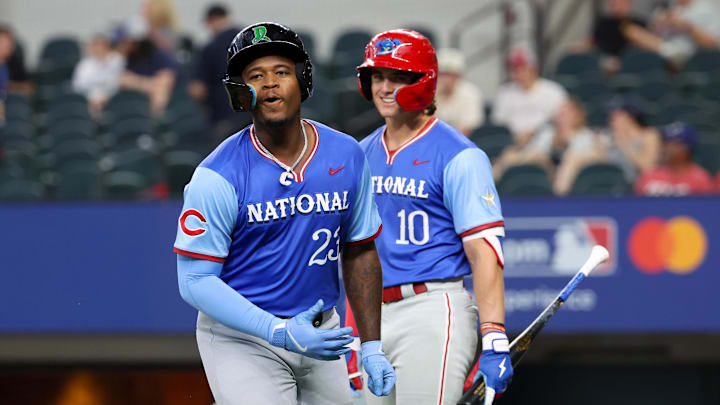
[{"x": 192, "y": 213}]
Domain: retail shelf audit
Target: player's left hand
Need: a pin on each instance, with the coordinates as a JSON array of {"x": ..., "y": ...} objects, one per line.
[
  {"x": 381, "y": 376},
  {"x": 495, "y": 366}
]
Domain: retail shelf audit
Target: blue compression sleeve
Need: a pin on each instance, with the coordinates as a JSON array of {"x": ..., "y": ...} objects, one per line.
[{"x": 201, "y": 287}]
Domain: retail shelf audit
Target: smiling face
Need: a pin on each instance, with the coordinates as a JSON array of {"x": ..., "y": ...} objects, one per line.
[
  {"x": 384, "y": 83},
  {"x": 277, "y": 90}
]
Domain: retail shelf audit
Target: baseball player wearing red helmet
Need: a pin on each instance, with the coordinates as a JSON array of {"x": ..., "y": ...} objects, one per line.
[{"x": 442, "y": 221}]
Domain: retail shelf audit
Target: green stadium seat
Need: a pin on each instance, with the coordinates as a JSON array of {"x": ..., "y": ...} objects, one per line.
[
  {"x": 180, "y": 166},
  {"x": 704, "y": 60},
  {"x": 19, "y": 129},
  {"x": 17, "y": 108},
  {"x": 601, "y": 179},
  {"x": 323, "y": 103},
  {"x": 524, "y": 180},
  {"x": 71, "y": 123},
  {"x": 123, "y": 185},
  {"x": 142, "y": 162},
  {"x": 592, "y": 91},
  {"x": 348, "y": 53},
  {"x": 53, "y": 73},
  {"x": 61, "y": 50},
  {"x": 79, "y": 183},
  {"x": 78, "y": 149},
  {"x": 655, "y": 90},
  {"x": 707, "y": 152},
  {"x": 10, "y": 172},
  {"x": 66, "y": 110},
  {"x": 641, "y": 62},
  {"x": 492, "y": 139},
  {"x": 578, "y": 63},
  {"x": 711, "y": 91},
  {"x": 21, "y": 190}
]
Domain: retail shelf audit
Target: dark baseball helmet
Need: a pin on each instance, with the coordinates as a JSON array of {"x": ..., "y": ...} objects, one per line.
[{"x": 258, "y": 40}]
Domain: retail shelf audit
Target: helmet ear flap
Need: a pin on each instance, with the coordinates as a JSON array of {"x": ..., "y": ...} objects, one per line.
[
  {"x": 242, "y": 96},
  {"x": 417, "y": 96},
  {"x": 364, "y": 83}
]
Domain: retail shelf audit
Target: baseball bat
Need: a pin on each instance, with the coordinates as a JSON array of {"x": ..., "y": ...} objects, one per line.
[{"x": 521, "y": 343}]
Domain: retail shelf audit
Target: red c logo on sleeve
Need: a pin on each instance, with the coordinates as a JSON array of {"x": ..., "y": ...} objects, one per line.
[{"x": 184, "y": 217}]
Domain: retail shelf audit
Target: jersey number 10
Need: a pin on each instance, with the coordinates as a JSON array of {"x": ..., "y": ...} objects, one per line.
[{"x": 407, "y": 227}]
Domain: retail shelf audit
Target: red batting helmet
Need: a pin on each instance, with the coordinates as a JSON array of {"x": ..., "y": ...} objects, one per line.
[{"x": 405, "y": 50}]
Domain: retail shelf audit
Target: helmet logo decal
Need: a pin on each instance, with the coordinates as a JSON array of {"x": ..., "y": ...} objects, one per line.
[
  {"x": 387, "y": 45},
  {"x": 260, "y": 34}
]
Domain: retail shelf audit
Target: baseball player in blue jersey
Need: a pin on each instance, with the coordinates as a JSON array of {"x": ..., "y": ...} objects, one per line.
[
  {"x": 265, "y": 219},
  {"x": 441, "y": 221}
]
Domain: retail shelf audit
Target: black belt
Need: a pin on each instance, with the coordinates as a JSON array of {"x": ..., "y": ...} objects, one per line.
[{"x": 319, "y": 318}]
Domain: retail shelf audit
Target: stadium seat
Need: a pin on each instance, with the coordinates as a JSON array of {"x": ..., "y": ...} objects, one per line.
[
  {"x": 492, "y": 139},
  {"x": 21, "y": 190},
  {"x": 704, "y": 60},
  {"x": 675, "y": 110},
  {"x": 323, "y": 103},
  {"x": 142, "y": 162},
  {"x": 77, "y": 149},
  {"x": 653, "y": 91},
  {"x": 308, "y": 40},
  {"x": 180, "y": 166},
  {"x": 641, "y": 62},
  {"x": 123, "y": 185},
  {"x": 17, "y": 108},
  {"x": 66, "y": 110},
  {"x": 75, "y": 124},
  {"x": 348, "y": 53},
  {"x": 707, "y": 152},
  {"x": 10, "y": 172},
  {"x": 128, "y": 131},
  {"x": 711, "y": 91},
  {"x": 578, "y": 63},
  {"x": 19, "y": 129},
  {"x": 53, "y": 73},
  {"x": 524, "y": 180},
  {"x": 350, "y": 104},
  {"x": 592, "y": 91},
  {"x": 79, "y": 183},
  {"x": 61, "y": 50},
  {"x": 601, "y": 179}
]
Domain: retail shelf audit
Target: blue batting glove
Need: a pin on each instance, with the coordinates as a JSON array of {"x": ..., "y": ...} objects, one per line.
[
  {"x": 300, "y": 336},
  {"x": 495, "y": 365},
  {"x": 381, "y": 376}
]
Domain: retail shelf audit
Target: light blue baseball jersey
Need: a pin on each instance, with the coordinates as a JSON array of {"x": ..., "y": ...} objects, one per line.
[
  {"x": 432, "y": 192},
  {"x": 279, "y": 243}
]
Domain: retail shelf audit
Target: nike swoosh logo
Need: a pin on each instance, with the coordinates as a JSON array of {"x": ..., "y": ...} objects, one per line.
[
  {"x": 502, "y": 365},
  {"x": 304, "y": 348},
  {"x": 335, "y": 171},
  {"x": 419, "y": 162}
]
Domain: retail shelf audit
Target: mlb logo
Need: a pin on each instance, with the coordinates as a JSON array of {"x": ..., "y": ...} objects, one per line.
[{"x": 557, "y": 246}]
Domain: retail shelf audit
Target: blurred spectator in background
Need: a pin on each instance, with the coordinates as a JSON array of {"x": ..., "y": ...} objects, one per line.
[
  {"x": 459, "y": 102},
  {"x": 6, "y": 49},
  {"x": 210, "y": 64},
  {"x": 677, "y": 33},
  {"x": 148, "y": 68},
  {"x": 677, "y": 175},
  {"x": 162, "y": 24},
  {"x": 18, "y": 75},
  {"x": 527, "y": 102},
  {"x": 607, "y": 35},
  {"x": 632, "y": 145},
  {"x": 562, "y": 147},
  {"x": 97, "y": 76}
]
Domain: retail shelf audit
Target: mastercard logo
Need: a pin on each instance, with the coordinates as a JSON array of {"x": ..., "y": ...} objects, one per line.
[{"x": 678, "y": 245}]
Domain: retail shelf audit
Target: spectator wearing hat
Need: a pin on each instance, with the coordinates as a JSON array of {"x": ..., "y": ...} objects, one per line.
[
  {"x": 528, "y": 101},
  {"x": 632, "y": 144},
  {"x": 459, "y": 102},
  {"x": 97, "y": 76},
  {"x": 209, "y": 69},
  {"x": 678, "y": 175}
]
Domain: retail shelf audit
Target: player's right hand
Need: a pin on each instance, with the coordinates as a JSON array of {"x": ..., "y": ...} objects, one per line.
[
  {"x": 300, "y": 336},
  {"x": 381, "y": 375}
]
